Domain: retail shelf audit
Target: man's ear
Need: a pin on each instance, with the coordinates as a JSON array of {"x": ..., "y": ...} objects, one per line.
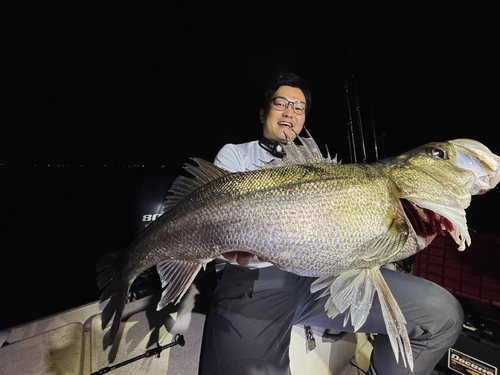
[{"x": 261, "y": 115}]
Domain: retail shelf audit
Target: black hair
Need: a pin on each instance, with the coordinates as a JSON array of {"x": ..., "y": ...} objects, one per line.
[{"x": 288, "y": 79}]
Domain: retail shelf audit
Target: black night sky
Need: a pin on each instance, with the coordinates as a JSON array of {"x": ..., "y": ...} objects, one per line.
[{"x": 105, "y": 88}]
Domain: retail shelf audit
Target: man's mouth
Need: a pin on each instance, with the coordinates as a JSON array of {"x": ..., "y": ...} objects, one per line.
[{"x": 285, "y": 123}]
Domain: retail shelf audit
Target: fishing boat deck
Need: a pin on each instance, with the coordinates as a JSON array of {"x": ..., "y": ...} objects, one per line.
[{"x": 71, "y": 343}]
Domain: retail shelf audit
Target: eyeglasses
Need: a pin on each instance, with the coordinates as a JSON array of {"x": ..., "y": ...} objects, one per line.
[{"x": 280, "y": 104}]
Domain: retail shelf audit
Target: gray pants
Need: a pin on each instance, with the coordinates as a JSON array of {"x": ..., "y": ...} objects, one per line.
[{"x": 249, "y": 324}]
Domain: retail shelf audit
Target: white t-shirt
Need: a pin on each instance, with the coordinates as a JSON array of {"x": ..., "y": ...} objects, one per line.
[{"x": 240, "y": 158}]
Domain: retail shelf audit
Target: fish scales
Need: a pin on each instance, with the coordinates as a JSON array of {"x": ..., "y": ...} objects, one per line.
[
  {"x": 233, "y": 213},
  {"x": 310, "y": 216}
]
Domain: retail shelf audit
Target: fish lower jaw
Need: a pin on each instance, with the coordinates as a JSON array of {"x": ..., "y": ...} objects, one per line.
[{"x": 459, "y": 238}]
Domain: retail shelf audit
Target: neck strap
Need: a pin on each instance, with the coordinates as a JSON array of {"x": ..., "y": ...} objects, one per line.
[{"x": 274, "y": 148}]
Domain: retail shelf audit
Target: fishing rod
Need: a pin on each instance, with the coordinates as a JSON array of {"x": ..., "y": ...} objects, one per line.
[
  {"x": 351, "y": 83},
  {"x": 351, "y": 136},
  {"x": 350, "y": 132},
  {"x": 378, "y": 140},
  {"x": 360, "y": 124},
  {"x": 179, "y": 340},
  {"x": 374, "y": 136}
]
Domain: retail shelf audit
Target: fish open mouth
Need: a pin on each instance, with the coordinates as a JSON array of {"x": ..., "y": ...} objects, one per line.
[{"x": 425, "y": 222}]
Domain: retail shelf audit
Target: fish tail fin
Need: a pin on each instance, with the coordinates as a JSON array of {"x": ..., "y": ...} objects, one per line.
[
  {"x": 176, "y": 277},
  {"x": 114, "y": 307},
  {"x": 352, "y": 292},
  {"x": 106, "y": 268},
  {"x": 115, "y": 290}
]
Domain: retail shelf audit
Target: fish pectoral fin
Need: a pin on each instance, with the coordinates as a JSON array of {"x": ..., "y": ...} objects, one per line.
[
  {"x": 352, "y": 292},
  {"x": 176, "y": 277},
  {"x": 322, "y": 283},
  {"x": 389, "y": 243}
]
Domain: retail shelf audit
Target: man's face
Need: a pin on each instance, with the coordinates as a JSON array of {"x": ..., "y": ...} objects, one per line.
[{"x": 276, "y": 122}]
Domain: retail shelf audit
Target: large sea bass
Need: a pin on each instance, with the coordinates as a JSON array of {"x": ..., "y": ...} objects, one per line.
[{"x": 351, "y": 220}]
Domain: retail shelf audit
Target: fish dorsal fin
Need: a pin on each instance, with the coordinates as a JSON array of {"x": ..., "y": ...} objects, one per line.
[
  {"x": 203, "y": 173},
  {"x": 306, "y": 153}
]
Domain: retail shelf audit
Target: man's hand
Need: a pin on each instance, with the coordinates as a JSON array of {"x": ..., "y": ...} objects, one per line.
[{"x": 243, "y": 258}]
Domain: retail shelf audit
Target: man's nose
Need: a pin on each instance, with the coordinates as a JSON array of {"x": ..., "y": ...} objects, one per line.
[{"x": 288, "y": 110}]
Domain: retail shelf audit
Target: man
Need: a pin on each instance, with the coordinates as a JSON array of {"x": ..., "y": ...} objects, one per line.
[{"x": 255, "y": 304}]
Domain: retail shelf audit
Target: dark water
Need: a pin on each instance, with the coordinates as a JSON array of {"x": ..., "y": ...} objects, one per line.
[{"x": 56, "y": 222}]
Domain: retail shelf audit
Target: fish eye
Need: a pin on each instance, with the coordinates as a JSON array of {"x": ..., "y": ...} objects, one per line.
[{"x": 436, "y": 153}]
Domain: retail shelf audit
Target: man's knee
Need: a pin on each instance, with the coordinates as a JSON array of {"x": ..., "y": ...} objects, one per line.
[{"x": 446, "y": 312}]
